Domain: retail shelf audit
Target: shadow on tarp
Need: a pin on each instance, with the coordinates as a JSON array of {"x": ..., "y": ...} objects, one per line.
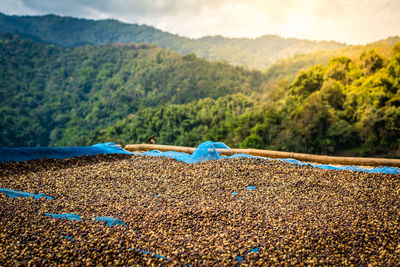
[
  {"x": 205, "y": 151},
  {"x": 29, "y": 153}
]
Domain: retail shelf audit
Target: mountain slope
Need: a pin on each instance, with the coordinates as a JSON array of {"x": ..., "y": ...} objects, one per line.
[
  {"x": 271, "y": 47},
  {"x": 288, "y": 68},
  {"x": 350, "y": 107},
  {"x": 69, "y": 32},
  {"x": 125, "y": 93},
  {"x": 57, "y": 96}
]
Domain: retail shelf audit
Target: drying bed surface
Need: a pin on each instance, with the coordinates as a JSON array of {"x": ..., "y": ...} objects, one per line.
[{"x": 218, "y": 212}]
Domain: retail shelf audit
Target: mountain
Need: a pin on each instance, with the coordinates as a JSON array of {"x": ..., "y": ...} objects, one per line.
[
  {"x": 57, "y": 96},
  {"x": 269, "y": 47},
  {"x": 71, "y": 32},
  {"x": 54, "y": 96},
  {"x": 289, "y": 67},
  {"x": 350, "y": 106}
]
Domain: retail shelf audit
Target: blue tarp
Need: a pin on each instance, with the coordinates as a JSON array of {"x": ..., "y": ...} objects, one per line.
[
  {"x": 28, "y": 153},
  {"x": 251, "y": 187},
  {"x": 347, "y": 168},
  {"x": 152, "y": 254},
  {"x": 68, "y": 216},
  {"x": 111, "y": 221},
  {"x": 205, "y": 151},
  {"x": 254, "y": 250},
  {"x": 13, "y": 193}
]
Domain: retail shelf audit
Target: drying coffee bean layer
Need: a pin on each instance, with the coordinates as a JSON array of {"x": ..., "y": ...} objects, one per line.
[{"x": 188, "y": 214}]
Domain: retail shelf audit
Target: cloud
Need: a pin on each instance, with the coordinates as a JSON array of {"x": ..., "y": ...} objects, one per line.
[{"x": 352, "y": 21}]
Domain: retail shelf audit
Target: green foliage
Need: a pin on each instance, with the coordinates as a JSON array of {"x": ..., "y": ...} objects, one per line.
[
  {"x": 371, "y": 62},
  {"x": 325, "y": 110},
  {"x": 254, "y": 141},
  {"x": 338, "y": 69},
  {"x": 333, "y": 92},
  {"x": 53, "y": 96},
  {"x": 355, "y": 104},
  {"x": 307, "y": 82},
  {"x": 126, "y": 93}
]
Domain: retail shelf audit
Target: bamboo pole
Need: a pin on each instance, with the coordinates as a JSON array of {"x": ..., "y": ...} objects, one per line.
[
  {"x": 162, "y": 148},
  {"x": 275, "y": 154}
]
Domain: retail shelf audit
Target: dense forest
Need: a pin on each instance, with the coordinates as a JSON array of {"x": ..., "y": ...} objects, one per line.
[
  {"x": 53, "y": 96},
  {"x": 346, "y": 107},
  {"x": 57, "y": 96},
  {"x": 71, "y": 32}
]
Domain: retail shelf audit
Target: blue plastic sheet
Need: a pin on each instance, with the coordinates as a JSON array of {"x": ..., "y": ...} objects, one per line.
[
  {"x": 389, "y": 170},
  {"x": 13, "y": 193},
  {"x": 205, "y": 151},
  {"x": 152, "y": 253},
  {"x": 70, "y": 238},
  {"x": 28, "y": 153},
  {"x": 254, "y": 250},
  {"x": 110, "y": 220},
  {"x": 68, "y": 216}
]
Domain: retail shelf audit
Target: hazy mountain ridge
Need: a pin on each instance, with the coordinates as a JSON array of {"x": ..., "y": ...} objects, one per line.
[
  {"x": 272, "y": 47},
  {"x": 288, "y": 67},
  {"x": 69, "y": 32}
]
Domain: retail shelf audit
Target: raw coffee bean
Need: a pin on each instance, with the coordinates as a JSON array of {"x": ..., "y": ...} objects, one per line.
[{"x": 180, "y": 214}]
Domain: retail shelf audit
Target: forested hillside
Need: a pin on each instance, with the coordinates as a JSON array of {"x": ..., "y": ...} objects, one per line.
[
  {"x": 349, "y": 107},
  {"x": 265, "y": 50},
  {"x": 70, "y": 32},
  {"x": 52, "y": 96},
  {"x": 57, "y": 96},
  {"x": 288, "y": 67}
]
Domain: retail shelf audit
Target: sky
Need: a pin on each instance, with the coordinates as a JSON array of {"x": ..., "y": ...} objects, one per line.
[{"x": 348, "y": 21}]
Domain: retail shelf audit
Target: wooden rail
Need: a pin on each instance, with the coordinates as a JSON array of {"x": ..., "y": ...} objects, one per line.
[
  {"x": 275, "y": 154},
  {"x": 163, "y": 148}
]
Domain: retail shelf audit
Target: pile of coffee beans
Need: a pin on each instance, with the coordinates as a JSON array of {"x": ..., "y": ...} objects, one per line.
[{"x": 221, "y": 212}]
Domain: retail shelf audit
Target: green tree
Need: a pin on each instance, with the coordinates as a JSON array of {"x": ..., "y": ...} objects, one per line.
[{"x": 371, "y": 62}]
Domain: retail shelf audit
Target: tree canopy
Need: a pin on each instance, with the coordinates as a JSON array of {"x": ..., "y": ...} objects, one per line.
[{"x": 52, "y": 96}]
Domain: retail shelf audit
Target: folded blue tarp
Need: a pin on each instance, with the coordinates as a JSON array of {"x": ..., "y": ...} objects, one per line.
[{"x": 205, "y": 151}]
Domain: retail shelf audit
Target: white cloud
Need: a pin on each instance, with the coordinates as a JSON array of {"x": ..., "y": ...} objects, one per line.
[{"x": 352, "y": 21}]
